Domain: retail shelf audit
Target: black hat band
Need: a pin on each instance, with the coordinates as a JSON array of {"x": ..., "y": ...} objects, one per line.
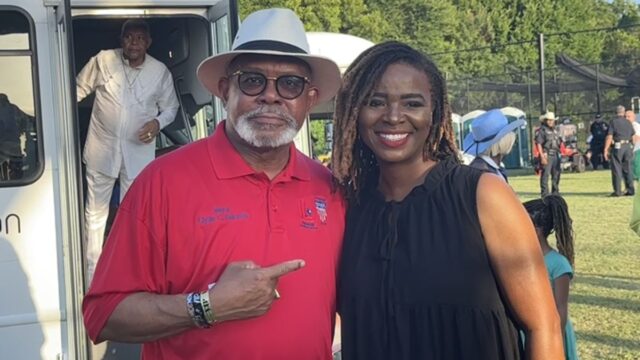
[{"x": 270, "y": 45}]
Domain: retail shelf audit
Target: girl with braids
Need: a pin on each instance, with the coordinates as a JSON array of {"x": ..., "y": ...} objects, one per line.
[
  {"x": 551, "y": 214},
  {"x": 435, "y": 253}
]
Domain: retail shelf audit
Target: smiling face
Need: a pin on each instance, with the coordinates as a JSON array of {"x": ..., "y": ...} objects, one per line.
[
  {"x": 395, "y": 121},
  {"x": 265, "y": 120}
]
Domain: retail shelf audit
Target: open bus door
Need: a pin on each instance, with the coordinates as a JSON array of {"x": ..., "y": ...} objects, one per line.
[
  {"x": 70, "y": 197},
  {"x": 183, "y": 37}
]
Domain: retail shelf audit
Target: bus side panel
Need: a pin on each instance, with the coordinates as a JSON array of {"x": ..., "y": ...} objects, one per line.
[
  {"x": 29, "y": 301},
  {"x": 32, "y": 317}
]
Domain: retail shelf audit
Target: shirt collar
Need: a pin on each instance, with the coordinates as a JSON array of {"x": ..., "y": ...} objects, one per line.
[
  {"x": 497, "y": 169},
  {"x": 228, "y": 163},
  {"x": 490, "y": 161}
]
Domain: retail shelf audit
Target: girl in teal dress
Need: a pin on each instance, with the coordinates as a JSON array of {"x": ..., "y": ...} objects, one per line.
[{"x": 551, "y": 214}]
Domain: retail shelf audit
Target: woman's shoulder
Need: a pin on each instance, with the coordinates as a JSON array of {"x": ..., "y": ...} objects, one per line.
[{"x": 453, "y": 172}]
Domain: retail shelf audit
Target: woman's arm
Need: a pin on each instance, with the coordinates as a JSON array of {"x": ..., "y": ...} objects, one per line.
[{"x": 516, "y": 258}]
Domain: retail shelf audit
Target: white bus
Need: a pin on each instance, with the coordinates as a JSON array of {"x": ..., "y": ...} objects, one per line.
[{"x": 43, "y": 44}]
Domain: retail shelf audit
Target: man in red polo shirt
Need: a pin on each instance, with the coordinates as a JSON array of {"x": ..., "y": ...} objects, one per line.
[{"x": 228, "y": 248}]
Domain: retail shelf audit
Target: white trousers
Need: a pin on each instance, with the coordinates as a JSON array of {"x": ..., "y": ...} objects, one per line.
[{"x": 96, "y": 212}]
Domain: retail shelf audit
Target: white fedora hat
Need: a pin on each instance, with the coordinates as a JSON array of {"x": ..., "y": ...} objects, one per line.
[
  {"x": 548, "y": 115},
  {"x": 487, "y": 129},
  {"x": 272, "y": 32}
]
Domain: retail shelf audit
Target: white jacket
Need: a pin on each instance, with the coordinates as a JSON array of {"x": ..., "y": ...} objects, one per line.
[{"x": 126, "y": 98}]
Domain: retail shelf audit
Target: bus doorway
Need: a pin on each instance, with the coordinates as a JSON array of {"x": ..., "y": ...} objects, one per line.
[
  {"x": 182, "y": 38},
  {"x": 181, "y": 42}
]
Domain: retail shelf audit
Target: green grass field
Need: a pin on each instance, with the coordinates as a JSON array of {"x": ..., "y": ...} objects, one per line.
[{"x": 605, "y": 293}]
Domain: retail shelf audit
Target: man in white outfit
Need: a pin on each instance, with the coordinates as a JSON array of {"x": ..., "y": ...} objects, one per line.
[{"x": 134, "y": 99}]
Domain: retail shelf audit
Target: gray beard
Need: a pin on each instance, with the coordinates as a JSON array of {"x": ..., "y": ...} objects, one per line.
[{"x": 250, "y": 131}]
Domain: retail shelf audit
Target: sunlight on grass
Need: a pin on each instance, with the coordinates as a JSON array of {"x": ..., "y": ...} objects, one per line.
[{"x": 605, "y": 293}]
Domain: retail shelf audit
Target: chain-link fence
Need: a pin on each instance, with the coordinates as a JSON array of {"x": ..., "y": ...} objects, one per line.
[{"x": 574, "y": 89}]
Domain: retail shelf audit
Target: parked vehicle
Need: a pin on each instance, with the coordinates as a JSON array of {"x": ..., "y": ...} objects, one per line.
[{"x": 572, "y": 159}]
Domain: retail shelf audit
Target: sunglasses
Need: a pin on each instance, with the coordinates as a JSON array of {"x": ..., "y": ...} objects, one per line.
[{"x": 288, "y": 86}]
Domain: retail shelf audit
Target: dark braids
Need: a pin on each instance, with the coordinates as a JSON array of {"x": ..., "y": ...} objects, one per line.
[
  {"x": 353, "y": 163},
  {"x": 551, "y": 213}
]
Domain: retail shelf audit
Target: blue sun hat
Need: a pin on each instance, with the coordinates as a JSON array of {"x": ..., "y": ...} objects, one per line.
[{"x": 487, "y": 129}]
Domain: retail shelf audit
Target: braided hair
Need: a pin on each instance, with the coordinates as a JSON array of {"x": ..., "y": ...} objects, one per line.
[
  {"x": 551, "y": 213},
  {"x": 353, "y": 163}
]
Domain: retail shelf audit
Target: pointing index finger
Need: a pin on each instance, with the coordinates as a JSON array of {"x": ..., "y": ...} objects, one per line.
[{"x": 277, "y": 270}]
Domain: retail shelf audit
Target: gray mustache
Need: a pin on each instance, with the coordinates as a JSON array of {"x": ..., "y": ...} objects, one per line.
[{"x": 271, "y": 110}]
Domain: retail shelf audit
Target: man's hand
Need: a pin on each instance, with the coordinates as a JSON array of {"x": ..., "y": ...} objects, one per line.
[
  {"x": 543, "y": 159},
  {"x": 149, "y": 131},
  {"x": 246, "y": 290},
  {"x": 605, "y": 154}
]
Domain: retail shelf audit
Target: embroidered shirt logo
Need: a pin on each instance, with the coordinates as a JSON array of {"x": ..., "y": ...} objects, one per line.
[
  {"x": 313, "y": 212},
  {"x": 222, "y": 214},
  {"x": 321, "y": 208}
]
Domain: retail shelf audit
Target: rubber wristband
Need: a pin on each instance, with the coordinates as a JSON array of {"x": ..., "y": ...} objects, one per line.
[{"x": 206, "y": 306}]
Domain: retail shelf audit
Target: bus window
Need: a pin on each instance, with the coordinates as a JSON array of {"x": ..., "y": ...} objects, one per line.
[{"x": 19, "y": 155}]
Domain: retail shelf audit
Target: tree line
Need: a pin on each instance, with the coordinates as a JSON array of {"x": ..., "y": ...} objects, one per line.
[{"x": 496, "y": 41}]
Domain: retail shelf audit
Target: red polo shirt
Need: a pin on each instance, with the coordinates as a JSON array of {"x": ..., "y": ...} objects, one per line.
[{"x": 195, "y": 210}]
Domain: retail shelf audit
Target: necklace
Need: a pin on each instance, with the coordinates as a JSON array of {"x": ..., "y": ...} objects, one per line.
[{"x": 130, "y": 82}]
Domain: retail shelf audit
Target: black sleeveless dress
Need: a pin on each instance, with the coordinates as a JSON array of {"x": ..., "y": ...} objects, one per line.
[{"x": 415, "y": 279}]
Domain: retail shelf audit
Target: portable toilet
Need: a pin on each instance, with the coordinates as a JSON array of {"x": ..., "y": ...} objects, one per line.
[
  {"x": 456, "y": 122},
  {"x": 467, "y": 119},
  {"x": 520, "y": 155}
]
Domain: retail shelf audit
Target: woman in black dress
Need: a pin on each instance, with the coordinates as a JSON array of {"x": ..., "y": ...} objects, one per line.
[{"x": 440, "y": 261}]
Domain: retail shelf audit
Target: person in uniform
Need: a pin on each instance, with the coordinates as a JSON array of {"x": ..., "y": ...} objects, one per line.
[
  {"x": 598, "y": 130},
  {"x": 548, "y": 144},
  {"x": 620, "y": 137}
]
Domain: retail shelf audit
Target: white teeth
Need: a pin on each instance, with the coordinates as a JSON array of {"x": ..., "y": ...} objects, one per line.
[{"x": 393, "y": 137}]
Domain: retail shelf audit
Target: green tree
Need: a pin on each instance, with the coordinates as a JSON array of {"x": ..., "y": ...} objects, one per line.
[
  {"x": 317, "y": 129},
  {"x": 427, "y": 25},
  {"x": 343, "y": 16},
  {"x": 493, "y": 41}
]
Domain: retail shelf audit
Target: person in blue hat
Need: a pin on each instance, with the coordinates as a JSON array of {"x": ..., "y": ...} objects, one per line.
[{"x": 490, "y": 140}]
